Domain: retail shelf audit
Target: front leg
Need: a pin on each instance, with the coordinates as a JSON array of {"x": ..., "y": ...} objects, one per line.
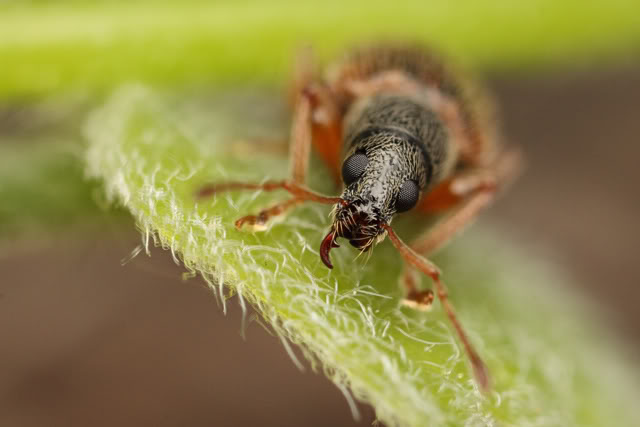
[
  {"x": 476, "y": 190},
  {"x": 315, "y": 120},
  {"x": 301, "y": 135},
  {"x": 259, "y": 222},
  {"x": 422, "y": 264},
  {"x": 300, "y": 147},
  {"x": 469, "y": 193}
]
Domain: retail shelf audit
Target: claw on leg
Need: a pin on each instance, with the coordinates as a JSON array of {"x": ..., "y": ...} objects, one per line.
[
  {"x": 419, "y": 300},
  {"x": 252, "y": 223},
  {"x": 260, "y": 222},
  {"x": 415, "y": 298}
]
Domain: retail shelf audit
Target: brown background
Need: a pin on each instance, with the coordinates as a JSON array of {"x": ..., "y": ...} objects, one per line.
[{"x": 86, "y": 341}]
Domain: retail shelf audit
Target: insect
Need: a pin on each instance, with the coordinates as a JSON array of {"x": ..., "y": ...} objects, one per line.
[{"x": 402, "y": 132}]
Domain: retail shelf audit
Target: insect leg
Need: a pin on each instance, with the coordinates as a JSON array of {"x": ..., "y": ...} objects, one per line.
[
  {"x": 436, "y": 237},
  {"x": 414, "y": 297},
  {"x": 326, "y": 127},
  {"x": 416, "y": 260},
  {"x": 301, "y": 195},
  {"x": 259, "y": 222},
  {"x": 470, "y": 192},
  {"x": 300, "y": 147},
  {"x": 474, "y": 191},
  {"x": 321, "y": 126},
  {"x": 298, "y": 156},
  {"x": 301, "y": 135}
]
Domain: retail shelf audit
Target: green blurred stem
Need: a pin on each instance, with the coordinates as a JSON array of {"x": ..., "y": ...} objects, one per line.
[{"x": 93, "y": 46}]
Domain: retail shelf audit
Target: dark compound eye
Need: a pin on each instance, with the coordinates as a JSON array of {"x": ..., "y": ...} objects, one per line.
[
  {"x": 408, "y": 197},
  {"x": 353, "y": 167}
]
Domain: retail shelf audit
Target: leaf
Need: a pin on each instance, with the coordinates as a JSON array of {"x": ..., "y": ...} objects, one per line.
[{"x": 549, "y": 365}]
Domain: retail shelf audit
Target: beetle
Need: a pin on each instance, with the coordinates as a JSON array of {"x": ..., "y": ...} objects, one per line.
[{"x": 402, "y": 131}]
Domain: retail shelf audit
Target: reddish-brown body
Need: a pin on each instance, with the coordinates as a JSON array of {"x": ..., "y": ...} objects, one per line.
[
  {"x": 363, "y": 72},
  {"x": 408, "y": 133}
]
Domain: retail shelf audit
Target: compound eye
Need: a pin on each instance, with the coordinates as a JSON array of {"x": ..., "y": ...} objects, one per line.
[
  {"x": 408, "y": 196},
  {"x": 353, "y": 167}
]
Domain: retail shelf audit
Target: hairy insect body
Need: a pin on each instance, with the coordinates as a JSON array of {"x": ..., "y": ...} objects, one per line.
[
  {"x": 427, "y": 71},
  {"x": 417, "y": 63},
  {"x": 402, "y": 132},
  {"x": 406, "y": 126}
]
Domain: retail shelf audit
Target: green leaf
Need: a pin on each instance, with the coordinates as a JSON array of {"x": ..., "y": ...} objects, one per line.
[{"x": 549, "y": 365}]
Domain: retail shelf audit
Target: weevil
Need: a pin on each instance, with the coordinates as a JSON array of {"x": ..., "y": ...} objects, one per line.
[{"x": 402, "y": 131}]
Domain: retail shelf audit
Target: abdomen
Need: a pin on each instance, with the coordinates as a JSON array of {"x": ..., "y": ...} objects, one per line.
[{"x": 428, "y": 69}]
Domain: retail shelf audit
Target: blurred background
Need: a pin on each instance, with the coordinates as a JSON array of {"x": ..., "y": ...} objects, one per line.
[{"x": 88, "y": 339}]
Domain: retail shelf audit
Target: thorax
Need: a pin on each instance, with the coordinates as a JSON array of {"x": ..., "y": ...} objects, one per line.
[{"x": 406, "y": 117}]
